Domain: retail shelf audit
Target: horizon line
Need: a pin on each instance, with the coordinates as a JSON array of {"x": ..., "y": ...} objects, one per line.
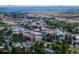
[{"x": 35, "y": 5}]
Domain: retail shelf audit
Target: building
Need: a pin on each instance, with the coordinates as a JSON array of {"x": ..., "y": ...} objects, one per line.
[
  {"x": 75, "y": 41},
  {"x": 36, "y": 36},
  {"x": 17, "y": 29},
  {"x": 60, "y": 34}
]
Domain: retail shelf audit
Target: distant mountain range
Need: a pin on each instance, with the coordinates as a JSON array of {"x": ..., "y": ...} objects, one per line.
[{"x": 37, "y": 8}]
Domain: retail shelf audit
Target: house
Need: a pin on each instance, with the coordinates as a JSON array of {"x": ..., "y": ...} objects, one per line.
[
  {"x": 75, "y": 41},
  {"x": 17, "y": 29},
  {"x": 35, "y": 36},
  {"x": 10, "y": 22},
  {"x": 38, "y": 36},
  {"x": 27, "y": 44},
  {"x": 60, "y": 34}
]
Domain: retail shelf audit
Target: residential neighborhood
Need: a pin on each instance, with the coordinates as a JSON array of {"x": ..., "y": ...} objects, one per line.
[{"x": 48, "y": 32}]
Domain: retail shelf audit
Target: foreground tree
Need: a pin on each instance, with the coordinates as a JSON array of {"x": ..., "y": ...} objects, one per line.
[
  {"x": 16, "y": 50},
  {"x": 17, "y": 37},
  {"x": 61, "y": 47},
  {"x": 39, "y": 48}
]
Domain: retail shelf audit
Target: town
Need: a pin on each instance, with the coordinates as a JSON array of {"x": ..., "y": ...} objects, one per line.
[{"x": 39, "y": 33}]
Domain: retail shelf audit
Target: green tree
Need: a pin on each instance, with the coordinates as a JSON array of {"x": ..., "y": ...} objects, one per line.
[
  {"x": 48, "y": 38},
  {"x": 39, "y": 48},
  {"x": 60, "y": 47},
  {"x": 17, "y": 37},
  {"x": 16, "y": 50}
]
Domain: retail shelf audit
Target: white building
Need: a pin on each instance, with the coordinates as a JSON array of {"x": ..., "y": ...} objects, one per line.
[
  {"x": 76, "y": 41},
  {"x": 17, "y": 29}
]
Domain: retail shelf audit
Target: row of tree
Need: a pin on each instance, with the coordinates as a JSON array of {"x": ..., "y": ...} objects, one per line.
[{"x": 62, "y": 24}]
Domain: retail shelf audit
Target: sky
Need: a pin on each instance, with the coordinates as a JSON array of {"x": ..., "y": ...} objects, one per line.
[{"x": 39, "y": 2}]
